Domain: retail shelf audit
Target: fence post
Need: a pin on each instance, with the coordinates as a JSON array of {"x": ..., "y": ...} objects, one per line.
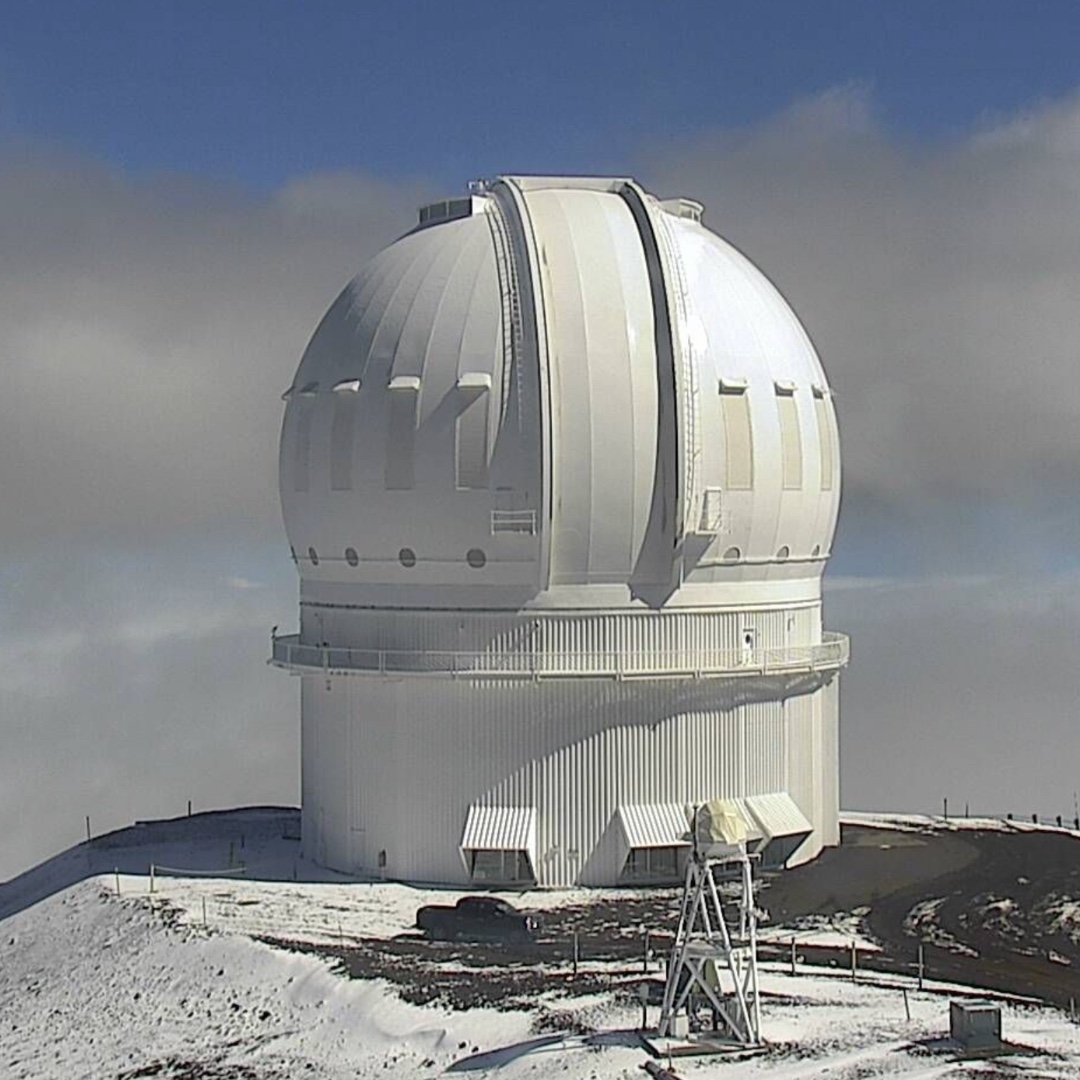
[
  {"x": 922, "y": 966},
  {"x": 151, "y": 878},
  {"x": 854, "y": 961},
  {"x": 792, "y": 954}
]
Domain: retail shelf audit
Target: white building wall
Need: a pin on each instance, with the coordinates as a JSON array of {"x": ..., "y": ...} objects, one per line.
[{"x": 393, "y": 764}]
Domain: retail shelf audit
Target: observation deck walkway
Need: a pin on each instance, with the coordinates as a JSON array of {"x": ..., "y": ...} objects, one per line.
[{"x": 831, "y": 654}]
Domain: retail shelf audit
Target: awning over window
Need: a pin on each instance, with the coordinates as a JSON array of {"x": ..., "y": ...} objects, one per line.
[
  {"x": 778, "y": 815},
  {"x": 654, "y": 825},
  {"x": 500, "y": 828}
]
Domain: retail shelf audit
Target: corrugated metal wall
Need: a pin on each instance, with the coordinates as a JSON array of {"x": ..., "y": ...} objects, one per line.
[
  {"x": 671, "y": 632},
  {"x": 394, "y": 764}
]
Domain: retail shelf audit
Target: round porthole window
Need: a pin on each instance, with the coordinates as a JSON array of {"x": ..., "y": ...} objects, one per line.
[
  {"x": 733, "y": 554},
  {"x": 783, "y": 553},
  {"x": 476, "y": 558},
  {"x": 407, "y": 557},
  {"x": 351, "y": 557},
  {"x": 313, "y": 555}
]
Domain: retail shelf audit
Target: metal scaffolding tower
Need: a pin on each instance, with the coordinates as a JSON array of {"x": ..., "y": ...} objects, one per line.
[{"x": 712, "y": 978}]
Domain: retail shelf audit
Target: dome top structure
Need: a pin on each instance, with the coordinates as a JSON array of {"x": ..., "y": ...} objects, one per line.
[{"x": 560, "y": 392}]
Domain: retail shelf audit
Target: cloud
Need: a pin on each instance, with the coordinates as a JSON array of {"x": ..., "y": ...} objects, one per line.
[
  {"x": 939, "y": 281},
  {"x": 149, "y": 328},
  {"x": 961, "y": 689},
  {"x": 132, "y": 689}
]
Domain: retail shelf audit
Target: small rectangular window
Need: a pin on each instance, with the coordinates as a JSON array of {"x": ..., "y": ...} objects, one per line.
[
  {"x": 652, "y": 864},
  {"x": 738, "y": 437},
  {"x": 501, "y": 866},
  {"x": 790, "y": 440},
  {"x": 825, "y": 440}
]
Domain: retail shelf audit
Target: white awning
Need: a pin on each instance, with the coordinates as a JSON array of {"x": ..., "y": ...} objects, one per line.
[
  {"x": 653, "y": 825},
  {"x": 500, "y": 828},
  {"x": 476, "y": 381},
  {"x": 778, "y": 815}
]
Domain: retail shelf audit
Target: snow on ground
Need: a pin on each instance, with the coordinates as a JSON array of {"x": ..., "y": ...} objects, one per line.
[
  {"x": 100, "y": 978},
  {"x": 922, "y": 822},
  {"x": 97, "y": 985},
  {"x": 839, "y": 931}
]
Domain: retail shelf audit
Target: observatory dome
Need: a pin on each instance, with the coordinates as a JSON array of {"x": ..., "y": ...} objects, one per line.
[
  {"x": 560, "y": 474},
  {"x": 553, "y": 384}
]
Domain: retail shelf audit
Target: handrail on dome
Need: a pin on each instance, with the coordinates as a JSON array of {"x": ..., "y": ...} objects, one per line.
[{"x": 831, "y": 653}]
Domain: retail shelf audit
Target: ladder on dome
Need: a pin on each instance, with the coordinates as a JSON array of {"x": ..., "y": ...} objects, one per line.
[
  {"x": 510, "y": 298},
  {"x": 683, "y": 344}
]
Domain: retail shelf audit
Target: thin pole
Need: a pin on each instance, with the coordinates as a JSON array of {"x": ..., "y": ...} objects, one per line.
[
  {"x": 792, "y": 954},
  {"x": 88, "y": 827},
  {"x": 854, "y": 961},
  {"x": 921, "y": 965},
  {"x": 645, "y": 954},
  {"x": 116, "y": 871},
  {"x": 576, "y": 953},
  {"x": 907, "y": 1006},
  {"x": 151, "y": 877},
  {"x": 204, "y": 912}
]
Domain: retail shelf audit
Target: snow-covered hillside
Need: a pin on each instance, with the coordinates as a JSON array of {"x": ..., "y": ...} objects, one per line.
[{"x": 98, "y": 984}]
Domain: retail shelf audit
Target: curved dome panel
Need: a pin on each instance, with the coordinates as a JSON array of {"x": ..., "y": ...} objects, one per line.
[
  {"x": 766, "y": 446},
  {"x": 561, "y": 385}
]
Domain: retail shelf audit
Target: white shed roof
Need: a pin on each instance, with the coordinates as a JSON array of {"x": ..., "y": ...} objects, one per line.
[
  {"x": 500, "y": 828},
  {"x": 652, "y": 825}
]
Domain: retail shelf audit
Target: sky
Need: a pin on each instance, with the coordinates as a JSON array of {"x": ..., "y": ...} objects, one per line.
[{"x": 185, "y": 188}]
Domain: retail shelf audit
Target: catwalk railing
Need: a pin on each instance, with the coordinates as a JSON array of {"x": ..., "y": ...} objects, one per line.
[{"x": 287, "y": 652}]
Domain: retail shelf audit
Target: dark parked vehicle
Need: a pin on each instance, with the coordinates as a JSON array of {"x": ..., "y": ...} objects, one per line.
[{"x": 476, "y": 918}]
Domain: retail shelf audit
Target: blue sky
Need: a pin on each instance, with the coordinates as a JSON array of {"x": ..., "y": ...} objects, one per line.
[
  {"x": 185, "y": 188},
  {"x": 256, "y": 92}
]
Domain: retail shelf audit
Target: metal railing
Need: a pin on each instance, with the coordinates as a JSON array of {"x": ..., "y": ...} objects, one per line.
[
  {"x": 516, "y": 522},
  {"x": 287, "y": 652}
]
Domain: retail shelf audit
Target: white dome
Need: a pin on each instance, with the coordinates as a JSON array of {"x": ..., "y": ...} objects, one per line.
[{"x": 556, "y": 390}]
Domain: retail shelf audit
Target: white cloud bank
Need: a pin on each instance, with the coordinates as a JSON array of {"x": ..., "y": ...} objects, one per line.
[
  {"x": 147, "y": 329},
  {"x": 939, "y": 282}
]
